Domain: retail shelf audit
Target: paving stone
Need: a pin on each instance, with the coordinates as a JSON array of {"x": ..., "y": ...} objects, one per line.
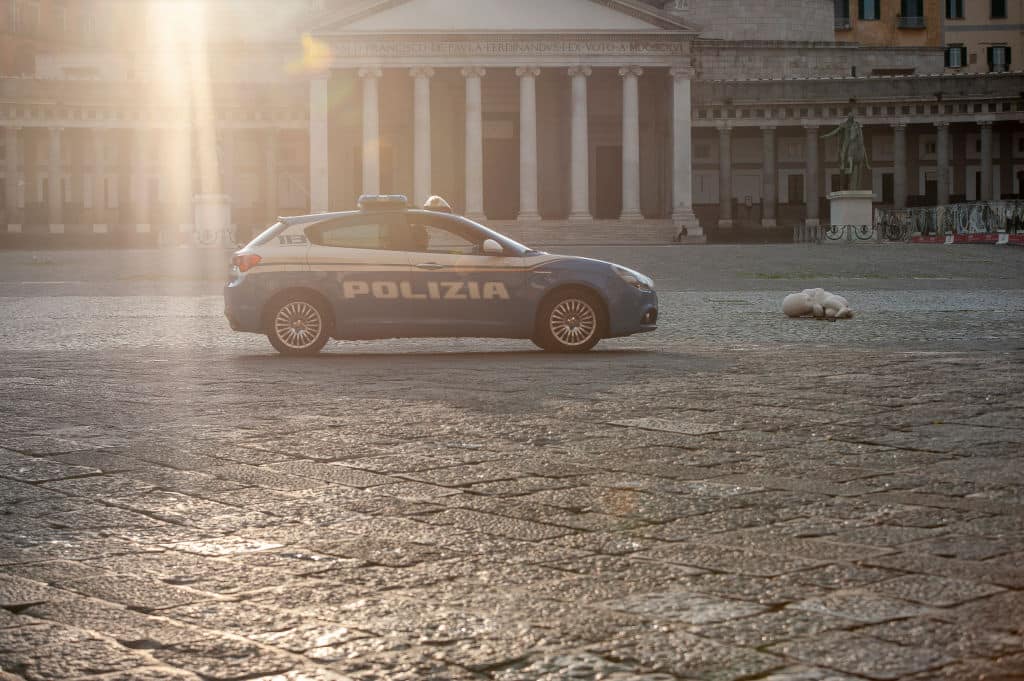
[
  {"x": 16, "y": 592},
  {"x": 131, "y": 628},
  {"x": 957, "y": 569},
  {"x": 154, "y": 673},
  {"x": 263, "y": 477},
  {"x": 930, "y": 590},
  {"x": 135, "y": 592},
  {"x": 225, "y": 659},
  {"x": 725, "y": 559},
  {"x": 862, "y": 606},
  {"x": 777, "y": 590},
  {"x": 844, "y": 576},
  {"x": 108, "y": 486},
  {"x": 495, "y": 524},
  {"x": 1003, "y": 611},
  {"x": 685, "y": 655},
  {"x": 685, "y": 607},
  {"x": 71, "y": 659},
  {"x": 340, "y": 475},
  {"x": 861, "y": 655},
  {"x": 963, "y": 547},
  {"x": 950, "y": 637},
  {"x": 772, "y": 627},
  {"x": 28, "y": 469}
]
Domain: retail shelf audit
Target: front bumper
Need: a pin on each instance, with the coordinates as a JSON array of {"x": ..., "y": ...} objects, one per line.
[{"x": 633, "y": 311}]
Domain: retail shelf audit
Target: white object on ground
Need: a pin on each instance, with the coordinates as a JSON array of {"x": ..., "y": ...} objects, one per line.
[{"x": 816, "y": 302}]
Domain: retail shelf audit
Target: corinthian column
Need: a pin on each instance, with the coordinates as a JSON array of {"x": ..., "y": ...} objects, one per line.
[
  {"x": 371, "y": 130},
  {"x": 682, "y": 154},
  {"x": 769, "y": 188},
  {"x": 474, "y": 143},
  {"x": 580, "y": 175},
  {"x": 318, "y": 179},
  {"x": 528, "y": 143},
  {"x": 986, "y": 160},
  {"x": 942, "y": 162},
  {"x": 631, "y": 142},
  {"x": 811, "y": 188},
  {"x": 55, "y": 183},
  {"x": 725, "y": 176},
  {"x": 421, "y": 133},
  {"x": 12, "y": 179}
]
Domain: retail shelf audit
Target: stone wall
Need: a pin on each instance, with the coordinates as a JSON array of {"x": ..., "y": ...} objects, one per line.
[
  {"x": 749, "y": 60},
  {"x": 803, "y": 20}
]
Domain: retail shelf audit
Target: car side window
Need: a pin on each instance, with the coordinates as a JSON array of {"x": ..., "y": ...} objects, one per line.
[
  {"x": 439, "y": 234},
  {"x": 383, "y": 232}
]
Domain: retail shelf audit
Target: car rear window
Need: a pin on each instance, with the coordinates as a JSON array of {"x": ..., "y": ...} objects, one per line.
[{"x": 267, "y": 234}]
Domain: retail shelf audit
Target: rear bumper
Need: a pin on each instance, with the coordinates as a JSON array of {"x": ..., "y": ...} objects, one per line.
[{"x": 242, "y": 308}]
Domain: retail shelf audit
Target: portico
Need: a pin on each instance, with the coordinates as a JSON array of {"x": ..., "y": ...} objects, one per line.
[{"x": 511, "y": 124}]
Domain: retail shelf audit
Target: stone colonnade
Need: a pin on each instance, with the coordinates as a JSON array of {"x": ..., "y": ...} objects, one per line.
[
  {"x": 105, "y": 178},
  {"x": 948, "y": 171},
  {"x": 579, "y": 144}
]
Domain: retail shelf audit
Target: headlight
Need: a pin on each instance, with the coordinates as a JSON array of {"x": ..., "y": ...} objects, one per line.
[{"x": 634, "y": 278}]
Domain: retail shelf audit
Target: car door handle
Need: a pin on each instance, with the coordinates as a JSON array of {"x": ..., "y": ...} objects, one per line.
[{"x": 430, "y": 266}]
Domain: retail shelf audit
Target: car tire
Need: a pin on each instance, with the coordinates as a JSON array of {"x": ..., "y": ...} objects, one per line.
[
  {"x": 571, "y": 321},
  {"x": 298, "y": 325}
]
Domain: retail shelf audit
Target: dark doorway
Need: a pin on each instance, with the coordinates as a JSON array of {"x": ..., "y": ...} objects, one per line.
[
  {"x": 888, "y": 188},
  {"x": 977, "y": 186},
  {"x": 931, "y": 190},
  {"x": 609, "y": 183},
  {"x": 501, "y": 178},
  {"x": 795, "y": 189}
]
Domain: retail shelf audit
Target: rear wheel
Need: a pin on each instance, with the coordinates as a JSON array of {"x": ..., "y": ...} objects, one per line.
[
  {"x": 298, "y": 325},
  {"x": 572, "y": 321}
]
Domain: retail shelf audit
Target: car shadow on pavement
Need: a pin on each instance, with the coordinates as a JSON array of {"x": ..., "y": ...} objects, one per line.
[{"x": 593, "y": 355}]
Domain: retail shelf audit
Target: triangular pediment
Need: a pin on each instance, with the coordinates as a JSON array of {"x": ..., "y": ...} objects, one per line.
[{"x": 496, "y": 16}]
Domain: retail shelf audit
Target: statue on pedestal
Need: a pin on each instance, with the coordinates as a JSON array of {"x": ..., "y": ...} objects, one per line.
[{"x": 853, "y": 157}]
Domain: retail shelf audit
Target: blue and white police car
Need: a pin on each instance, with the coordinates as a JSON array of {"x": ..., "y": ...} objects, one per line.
[{"x": 389, "y": 271}]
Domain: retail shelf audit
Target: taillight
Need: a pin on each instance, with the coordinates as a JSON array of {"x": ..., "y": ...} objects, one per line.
[{"x": 245, "y": 262}]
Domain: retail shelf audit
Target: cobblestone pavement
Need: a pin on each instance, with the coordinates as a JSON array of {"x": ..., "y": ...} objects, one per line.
[{"x": 738, "y": 496}]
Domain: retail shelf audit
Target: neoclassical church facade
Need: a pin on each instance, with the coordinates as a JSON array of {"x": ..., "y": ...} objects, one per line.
[{"x": 553, "y": 120}]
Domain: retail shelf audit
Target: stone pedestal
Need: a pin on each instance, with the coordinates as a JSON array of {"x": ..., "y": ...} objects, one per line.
[
  {"x": 213, "y": 221},
  {"x": 852, "y": 207}
]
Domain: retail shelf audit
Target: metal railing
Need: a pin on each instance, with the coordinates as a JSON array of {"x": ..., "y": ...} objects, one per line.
[
  {"x": 823, "y": 234},
  {"x": 910, "y": 22},
  {"x": 980, "y": 217}
]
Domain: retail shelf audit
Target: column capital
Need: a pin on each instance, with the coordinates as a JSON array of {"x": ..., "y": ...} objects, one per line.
[
  {"x": 941, "y": 124},
  {"x": 55, "y": 128},
  {"x": 584, "y": 71},
  {"x": 985, "y": 122},
  {"x": 631, "y": 71},
  {"x": 769, "y": 127},
  {"x": 723, "y": 127},
  {"x": 900, "y": 124},
  {"x": 527, "y": 71},
  {"x": 473, "y": 72},
  {"x": 682, "y": 72},
  {"x": 371, "y": 72},
  {"x": 811, "y": 128},
  {"x": 421, "y": 72}
]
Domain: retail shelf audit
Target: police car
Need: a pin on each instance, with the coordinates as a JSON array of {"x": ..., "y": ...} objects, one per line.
[{"x": 389, "y": 271}]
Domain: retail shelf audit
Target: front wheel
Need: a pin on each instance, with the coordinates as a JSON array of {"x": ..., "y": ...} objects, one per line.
[
  {"x": 570, "y": 322},
  {"x": 298, "y": 326}
]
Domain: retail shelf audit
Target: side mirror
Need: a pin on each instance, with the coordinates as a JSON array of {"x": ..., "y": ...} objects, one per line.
[{"x": 492, "y": 247}]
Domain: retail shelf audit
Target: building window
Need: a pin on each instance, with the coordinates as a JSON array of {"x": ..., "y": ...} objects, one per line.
[
  {"x": 954, "y": 9},
  {"x": 998, "y": 9},
  {"x": 842, "y": 15},
  {"x": 912, "y": 8},
  {"x": 998, "y": 58},
  {"x": 956, "y": 57},
  {"x": 869, "y": 9}
]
